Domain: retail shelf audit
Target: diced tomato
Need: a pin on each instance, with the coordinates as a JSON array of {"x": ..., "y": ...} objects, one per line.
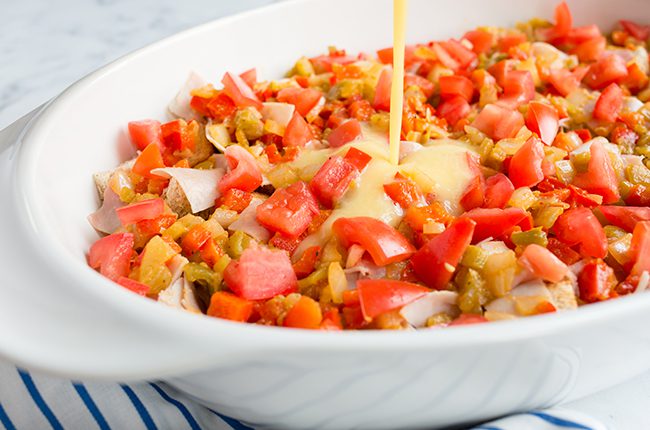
[
  {"x": 639, "y": 196},
  {"x": 235, "y": 199},
  {"x": 498, "y": 122},
  {"x": 580, "y": 226},
  {"x": 146, "y": 209},
  {"x": 405, "y": 192},
  {"x": 137, "y": 287},
  {"x": 518, "y": 86},
  {"x": 361, "y": 110},
  {"x": 607, "y": 70},
  {"x": 456, "y": 85},
  {"x": 211, "y": 252},
  {"x": 417, "y": 216},
  {"x": 332, "y": 320},
  {"x": 150, "y": 227},
  {"x": 260, "y": 274},
  {"x": 304, "y": 99},
  {"x": 298, "y": 132},
  {"x": 579, "y": 35},
  {"x": 590, "y": 50},
  {"x": 625, "y": 217},
  {"x": 459, "y": 52},
  {"x": 636, "y": 79},
  {"x": 306, "y": 313},
  {"x": 500, "y": 69},
  {"x": 307, "y": 262},
  {"x": 494, "y": 222},
  {"x": 427, "y": 87},
  {"x": 357, "y": 158},
  {"x": 244, "y": 172},
  {"x": 289, "y": 210},
  {"x": 148, "y": 160},
  {"x": 378, "y": 296},
  {"x": 543, "y": 120},
  {"x": 467, "y": 319},
  {"x": 444, "y": 57},
  {"x": 563, "y": 24},
  {"x": 332, "y": 180},
  {"x": 454, "y": 109},
  {"x": 386, "y": 55},
  {"x": 482, "y": 41},
  {"x": 285, "y": 243},
  {"x": 640, "y": 248},
  {"x": 145, "y": 132},
  {"x": 474, "y": 194},
  {"x": 609, "y": 104},
  {"x": 239, "y": 91},
  {"x": 382, "y": 90},
  {"x": 525, "y": 168},
  {"x": 249, "y": 76},
  {"x": 219, "y": 107},
  {"x": 436, "y": 261},
  {"x": 324, "y": 63},
  {"x": 112, "y": 255},
  {"x": 543, "y": 263},
  {"x": 498, "y": 190},
  {"x": 638, "y": 31},
  {"x": 179, "y": 135},
  {"x": 600, "y": 177},
  {"x": 194, "y": 239},
  {"x": 353, "y": 317},
  {"x": 345, "y": 133},
  {"x": 563, "y": 81},
  {"x": 384, "y": 244},
  {"x": 230, "y": 307},
  {"x": 595, "y": 281},
  {"x": 511, "y": 40}
]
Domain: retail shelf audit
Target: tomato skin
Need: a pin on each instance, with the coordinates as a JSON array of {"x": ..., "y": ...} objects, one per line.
[
  {"x": 112, "y": 255},
  {"x": 298, "y": 133},
  {"x": 625, "y": 217},
  {"x": 456, "y": 85},
  {"x": 498, "y": 190},
  {"x": 244, "y": 172},
  {"x": 543, "y": 263},
  {"x": 384, "y": 244},
  {"x": 640, "y": 248},
  {"x": 260, "y": 274},
  {"x": 304, "y": 99},
  {"x": 498, "y": 122},
  {"x": 525, "y": 168},
  {"x": 149, "y": 159},
  {"x": 382, "y": 90},
  {"x": 433, "y": 262},
  {"x": 305, "y": 314},
  {"x": 289, "y": 210},
  {"x": 332, "y": 180},
  {"x": 543, "y": 120},
  {"x": 595, "y": 281},
  {"x": 495, "y": 222},
  {"x": 638, "y": 31},
  {"x": 609, "y": 104},
  {"x": 345, "y": 133},
  {"x": 144, "y": 210},
  {"x": 145, "y": 132},
  {"x": 230, "y": 307},
  {"x": 454, "y": 109},
  {"x": 580, "y": 226},
  {"x": 607, "y": 70},
  {"x": 239, "y": 91},
  {"x": 600, "y": 177},
  {"x": 378, "y": 296}
]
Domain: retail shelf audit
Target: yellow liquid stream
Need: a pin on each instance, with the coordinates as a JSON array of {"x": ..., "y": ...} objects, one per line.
[{"x": 397, "y": 86}]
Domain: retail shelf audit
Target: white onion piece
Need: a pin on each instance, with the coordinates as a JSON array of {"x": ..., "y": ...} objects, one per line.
[
  {"x": 536, "y": 287},
  {"x": 180, "y": 105},
  {"x": 632, "y": 104},
  {"x": 417, "y": 312},
  {"x": 493, "y": 247},
  {"x": 172, "y": 295},
  {"x": 176, "y": 266},
  {"x": 367, "y": 270},
  {"x": 247, "y": 223},
  {"x": 188, "y": 297},
  {"x": 218, "y": 135},
  {"x": 632, "y": 160},
  {"x": 315, "y": 111},
  {"x": 547, "y": 55},
  {"x": 644, "y": 280},
  {"x": 199, "y": 186},
  {"x": 504, "y": 305},
  {"x": 281, "y": 113},
  {"x": 105, "y": 218},
  {"x": 406, "y": 147},
  {"x": 522, "y": 276}
]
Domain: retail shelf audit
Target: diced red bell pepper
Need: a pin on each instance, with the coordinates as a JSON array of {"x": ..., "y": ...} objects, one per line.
[
  {"x": 230, "y": 307},
  {"x": 609, "y": 104},
  {"x": 562, "y": 251},
  {"x": 495, "y": 222},
  {"x": 600, "y": 177},
  {"x": 595, "y": 281},
  {"x": 638, "y": 31},
  {"x": 454, "y": 109},
  {"x": 347, "y": 132},
  {"x": 244, "y": 172},
  {"x": 194, "y": 239},
  {"x": 498, "y": 190},
  {"x": 456, "y": 85},
  {"x": 607, "y": 70},
  {"x": 239, "y": 91},
  {"x": 417, "y": 216},
  {"x": 307, "y": 262},
  {"x": 234, "y": 199},
  {"x": 179, "y": 135},
  {"x": 405, "y": 192},
  {"x": 382, "y": 90},
  {"x": 378, "y": 296},
  {"x": 626, "y": 217},
  {"x": 137, "y": 287},
  {"x": 543, "y": 120},
  {"x": 543, "y": 263},
  {"x": 384, "y": 244},
  {"x": 357, "y": 158},
  {"x": 144, "y": 210},
  {"x": 640, "y": 248},
  {"x": 525, "y": 169},
  {"x": 145, "y": 132},
  {"x": 289, "y": 210},
  {"x": 112, "y": 255},
  {"x": 436, "y": 261},
  {"x": 332, "y": 180},
  {"x": 580, "y": 226},
  {"x": 498, "y": 122},
  {"x": 148, "y": 160},
  {"x": 304, "y": 99},
  {"x": 297, "y": 133},
  {"x": 260, "y": 274}
]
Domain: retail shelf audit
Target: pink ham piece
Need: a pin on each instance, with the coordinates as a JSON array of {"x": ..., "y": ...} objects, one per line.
[{"x": 105, "y": 220}]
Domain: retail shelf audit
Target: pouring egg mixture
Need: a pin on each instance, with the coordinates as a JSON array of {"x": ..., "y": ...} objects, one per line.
[{"x": 520, "y": 185}]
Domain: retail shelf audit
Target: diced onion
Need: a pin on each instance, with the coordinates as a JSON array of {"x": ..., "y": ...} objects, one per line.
[{"x": 199, "y": 186}]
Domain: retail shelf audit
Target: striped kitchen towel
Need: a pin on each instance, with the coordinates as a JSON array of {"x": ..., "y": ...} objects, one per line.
[{"x": 33, "y": 401}]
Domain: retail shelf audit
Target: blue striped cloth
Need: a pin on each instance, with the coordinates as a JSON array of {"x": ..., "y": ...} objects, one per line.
[{"x": 34, "y": 401}]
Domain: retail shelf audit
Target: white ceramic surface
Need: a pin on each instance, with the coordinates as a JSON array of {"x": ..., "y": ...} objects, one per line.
[{"x": 67, "y": 319}]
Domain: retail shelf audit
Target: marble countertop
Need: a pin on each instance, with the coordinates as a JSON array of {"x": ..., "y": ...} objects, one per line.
[{"x": 47, "y": 45}]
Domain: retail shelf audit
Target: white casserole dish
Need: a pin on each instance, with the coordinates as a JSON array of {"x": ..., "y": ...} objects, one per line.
[{"x": 58, "y": 315}]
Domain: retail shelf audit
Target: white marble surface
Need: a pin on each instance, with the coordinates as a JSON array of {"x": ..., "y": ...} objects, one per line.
[{"x": 45, "y": 45}]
